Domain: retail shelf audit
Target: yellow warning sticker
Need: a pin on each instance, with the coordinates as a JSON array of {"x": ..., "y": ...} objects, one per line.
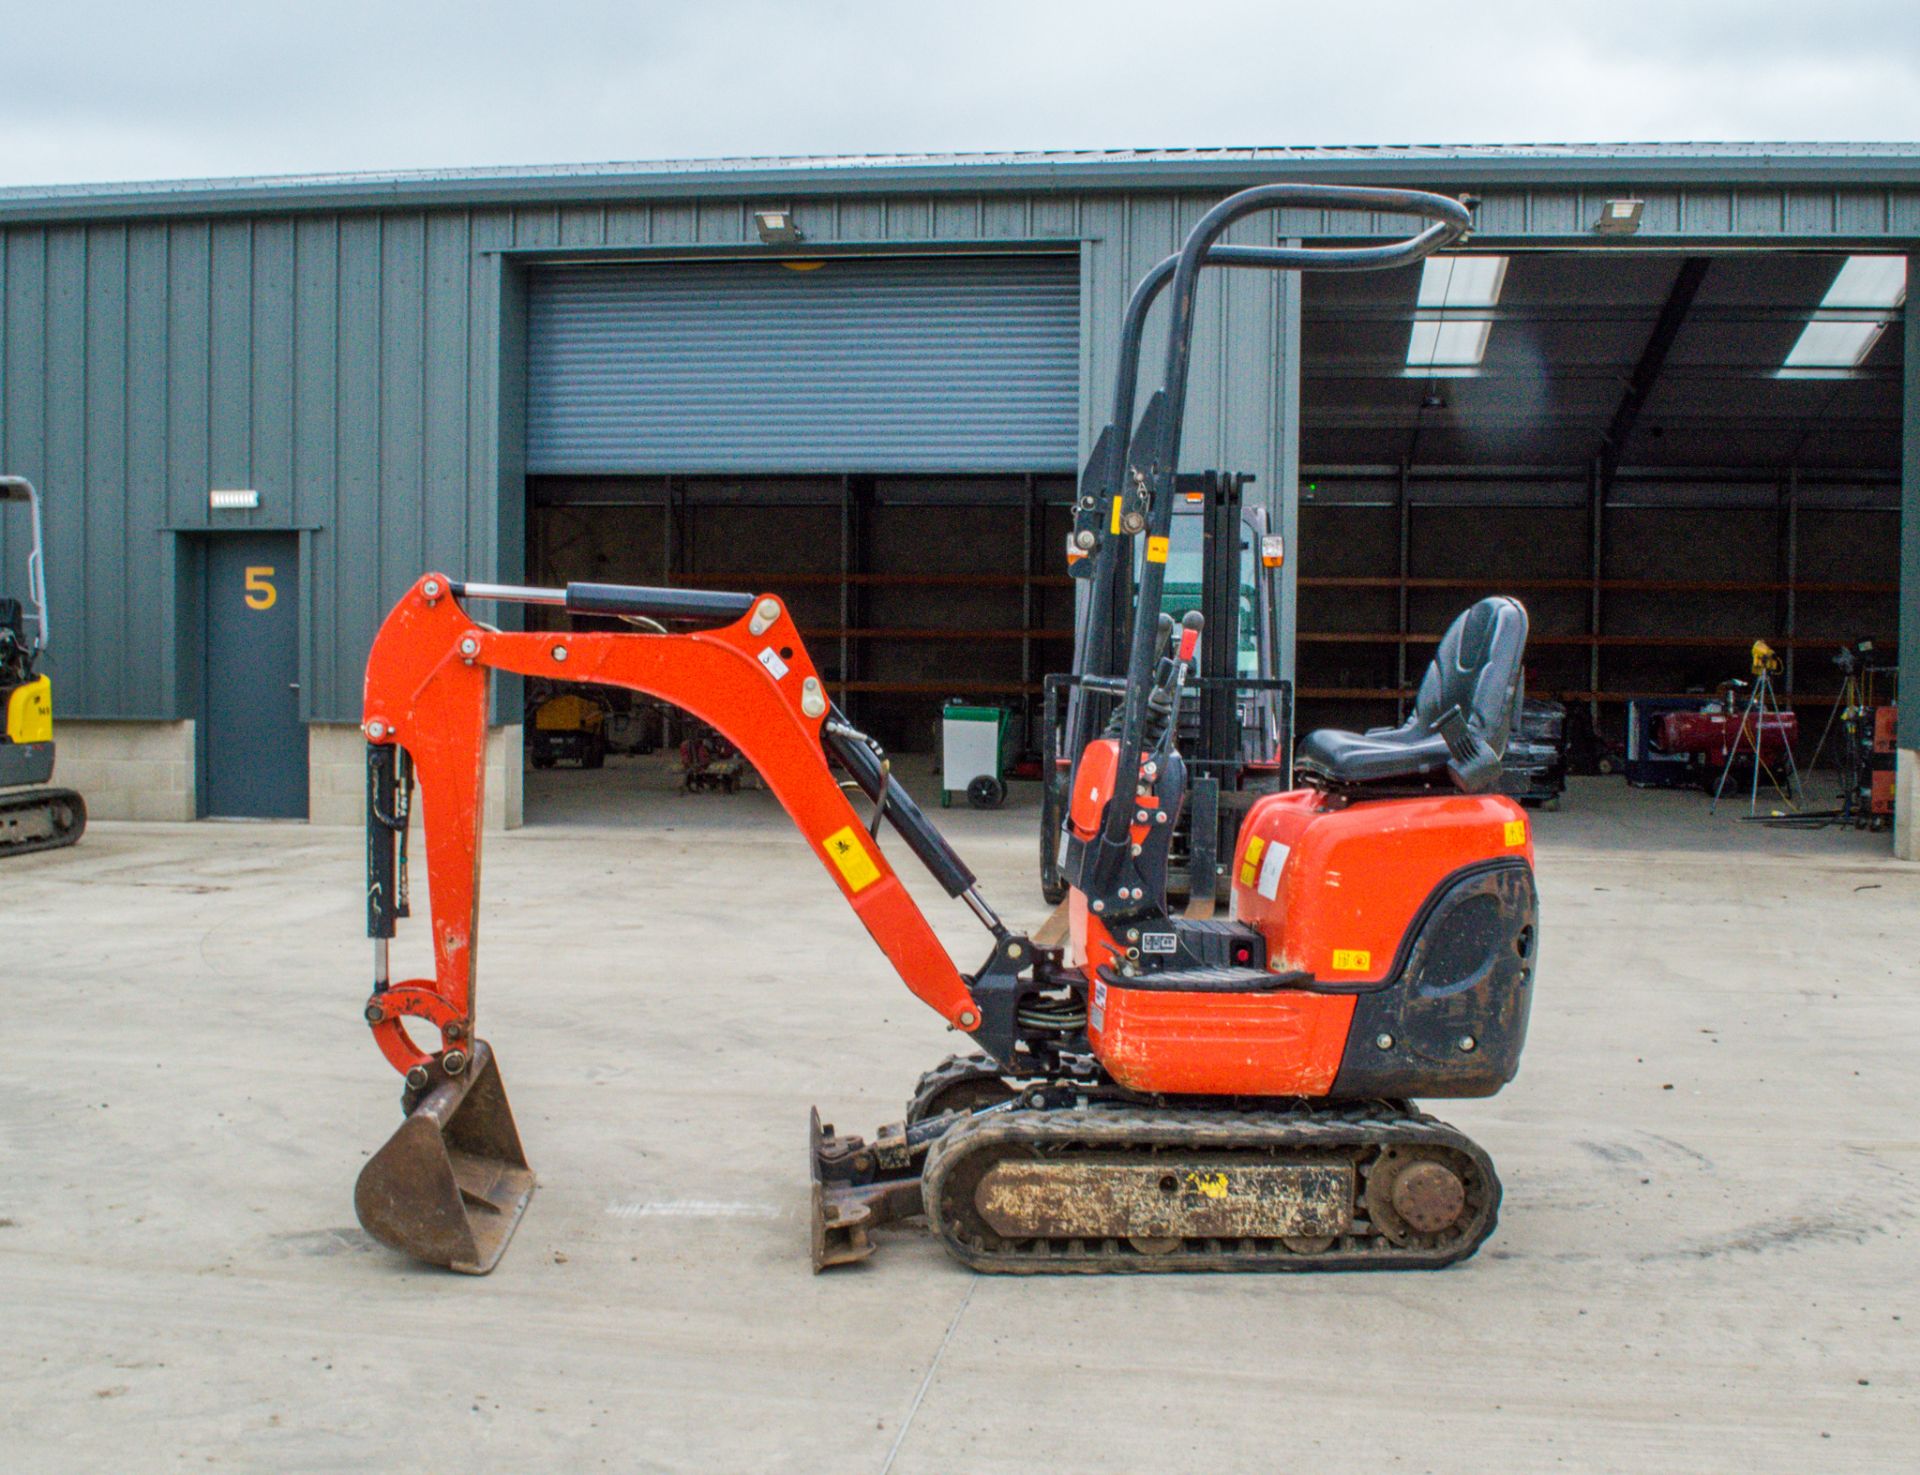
[
  {"x": 1516, "y": 832},
  {"x": 1156, "y": 550},
  {"x": 1250, "y": 862},
  {"x": 1116, "y": 516},
  {"x": 1351, "y": 960},
  {"x": 1208, "y": 1185},
  {"x": 845, "y": 850}
]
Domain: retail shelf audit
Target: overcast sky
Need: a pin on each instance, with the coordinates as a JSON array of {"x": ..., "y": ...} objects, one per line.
[{"x": 193, "y": 88}]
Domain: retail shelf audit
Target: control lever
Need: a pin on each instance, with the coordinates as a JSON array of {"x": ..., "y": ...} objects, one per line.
[{"x": 1164, "y": 700}]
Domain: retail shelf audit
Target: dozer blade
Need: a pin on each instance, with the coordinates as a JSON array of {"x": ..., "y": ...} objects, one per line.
[
  {"x": 857, "y": 1187},
  {"x": 450, "y": 1186}
]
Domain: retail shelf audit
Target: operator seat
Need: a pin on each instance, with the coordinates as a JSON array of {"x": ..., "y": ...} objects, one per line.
[{"x": 1466, "y": 705}]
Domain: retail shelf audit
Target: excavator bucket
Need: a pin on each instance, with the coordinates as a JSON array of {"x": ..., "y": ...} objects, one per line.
[{"x": 450, "y": 1186}]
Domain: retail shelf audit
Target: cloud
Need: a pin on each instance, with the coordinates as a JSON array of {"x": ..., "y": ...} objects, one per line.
[{"x": 193, "y": 88}]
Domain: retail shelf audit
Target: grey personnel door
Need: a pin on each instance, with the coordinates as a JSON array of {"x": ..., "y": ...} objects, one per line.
[{"x": 254, "y": 747}]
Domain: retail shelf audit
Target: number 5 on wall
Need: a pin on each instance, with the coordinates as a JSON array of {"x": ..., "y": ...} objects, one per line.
[{"x": 260, "y": 591}]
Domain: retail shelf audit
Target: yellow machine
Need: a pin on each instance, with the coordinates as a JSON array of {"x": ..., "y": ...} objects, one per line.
[
  {"x": 568, "y": 728},
  {"x": 31, "y": 817}
]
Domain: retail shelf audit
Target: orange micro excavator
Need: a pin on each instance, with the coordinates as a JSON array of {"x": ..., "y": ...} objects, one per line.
[{"x": 1161, "y": 1092}]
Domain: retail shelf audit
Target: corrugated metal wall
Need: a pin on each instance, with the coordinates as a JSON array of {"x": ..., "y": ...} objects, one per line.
[
  {"x": 328, "y": 363},
  {"x": 349, "y": 367}
]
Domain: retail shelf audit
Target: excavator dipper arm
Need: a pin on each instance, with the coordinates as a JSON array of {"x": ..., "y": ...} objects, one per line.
[{"x": 752, "y": 679}]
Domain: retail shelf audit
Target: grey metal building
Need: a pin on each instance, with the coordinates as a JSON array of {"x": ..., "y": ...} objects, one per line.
[{"x": 1656, "y": 421}]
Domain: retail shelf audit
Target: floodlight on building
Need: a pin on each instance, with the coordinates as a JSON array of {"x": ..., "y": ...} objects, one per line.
[
  {"x": 1620, "y": 217},
  {"x": 233, "y": 499},
  {"x": 776, "y": 227}
]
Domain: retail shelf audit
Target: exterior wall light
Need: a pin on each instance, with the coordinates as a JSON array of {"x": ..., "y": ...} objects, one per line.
[
  {"x": 1620, "y": 217},
  {"x": 776, "y": 227},
  {"x": 236, "y": 500}
]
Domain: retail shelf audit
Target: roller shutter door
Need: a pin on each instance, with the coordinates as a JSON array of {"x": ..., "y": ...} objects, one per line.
[{"x": 856, "y": 364}]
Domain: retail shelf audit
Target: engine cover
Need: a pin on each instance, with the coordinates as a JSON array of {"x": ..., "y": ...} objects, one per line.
[{"x": 1400, "y": 935}]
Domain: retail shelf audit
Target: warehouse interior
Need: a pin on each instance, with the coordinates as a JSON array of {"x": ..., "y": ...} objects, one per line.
[
  {"x": 910, "y": 589},
  {"x": 1643, "y": 451},
  {"x": 1665, "y": 456}
]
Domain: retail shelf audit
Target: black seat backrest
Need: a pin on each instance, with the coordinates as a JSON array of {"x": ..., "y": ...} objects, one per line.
[
  {"x": 13, "y": 647},
  {"x": 1479, "y": 670}
]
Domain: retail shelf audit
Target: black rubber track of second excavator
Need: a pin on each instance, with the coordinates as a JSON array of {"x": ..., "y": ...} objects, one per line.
[
  {"x": 45, "y": 799},
  {"x": 1359, "y": 1133}
]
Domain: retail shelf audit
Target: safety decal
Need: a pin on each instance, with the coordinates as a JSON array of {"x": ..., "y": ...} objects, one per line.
[
  {"x": 1156, "y": 550},
  {"x": 1351, "y": 960},
  {"x": 1270, "y": 869},
  {"x": 1516, "y": 832},
  {"x": 1159, "y": 942},
  {"x": 1249, "y": 863},
  {"x": 856, "y": 866},
  {"x": 1116, "y": 516},
  {"x": 770, "y": 658},
  {"x": 1097, "y": 1019},
  {"x": 1207, "y": 1185}
]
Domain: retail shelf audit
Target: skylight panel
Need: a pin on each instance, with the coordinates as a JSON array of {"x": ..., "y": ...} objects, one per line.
[
  {"x": 1448, "y": 342},
  {"x": 1443, "y": 335},
  {"x": 1869, "y": 281},
  {"x": 1871, "y": 284},
  {"x": 1831, "y": 345},
  {"x": 1461, "y": 281}
]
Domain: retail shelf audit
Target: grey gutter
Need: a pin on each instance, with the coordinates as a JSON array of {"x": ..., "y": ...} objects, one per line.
[{"x": 780, "y": 181}]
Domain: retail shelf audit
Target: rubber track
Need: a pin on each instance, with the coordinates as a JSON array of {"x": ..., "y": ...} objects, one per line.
[
  {"x": 1358, "y": 1133},
  {"x": 42, "y": 799},
  {"x": 951, "y": 1071}
]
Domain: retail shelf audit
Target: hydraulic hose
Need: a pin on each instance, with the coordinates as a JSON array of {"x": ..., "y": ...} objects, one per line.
[{"x": 915, "y": 828}]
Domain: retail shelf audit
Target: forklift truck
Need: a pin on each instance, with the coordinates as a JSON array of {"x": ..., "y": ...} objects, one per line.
[{"x": 1236, "y": 719}]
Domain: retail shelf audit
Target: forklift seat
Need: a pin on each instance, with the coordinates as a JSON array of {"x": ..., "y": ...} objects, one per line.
[{"x": 1467, "y": 703}]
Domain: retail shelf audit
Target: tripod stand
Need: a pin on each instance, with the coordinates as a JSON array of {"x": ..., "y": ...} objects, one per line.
[{"x": 1762, "y": 702}]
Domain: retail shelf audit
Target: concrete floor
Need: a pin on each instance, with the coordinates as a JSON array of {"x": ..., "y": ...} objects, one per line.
[{"x": 1705, "y": 1260}]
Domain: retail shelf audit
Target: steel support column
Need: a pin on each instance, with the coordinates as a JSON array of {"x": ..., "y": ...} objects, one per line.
[
  {"x": 1906, "y": 818},
  {"x": 1406, "y": 570},
  {"x": 1283, "y": 496},
  {"x": 1596, "y": 570}
]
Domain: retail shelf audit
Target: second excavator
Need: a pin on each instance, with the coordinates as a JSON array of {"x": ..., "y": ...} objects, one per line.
[{"x": 1160, "y": 1092}]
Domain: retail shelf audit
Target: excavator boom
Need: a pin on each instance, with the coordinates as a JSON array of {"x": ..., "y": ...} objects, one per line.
[{"x": 425, "y": 723}]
